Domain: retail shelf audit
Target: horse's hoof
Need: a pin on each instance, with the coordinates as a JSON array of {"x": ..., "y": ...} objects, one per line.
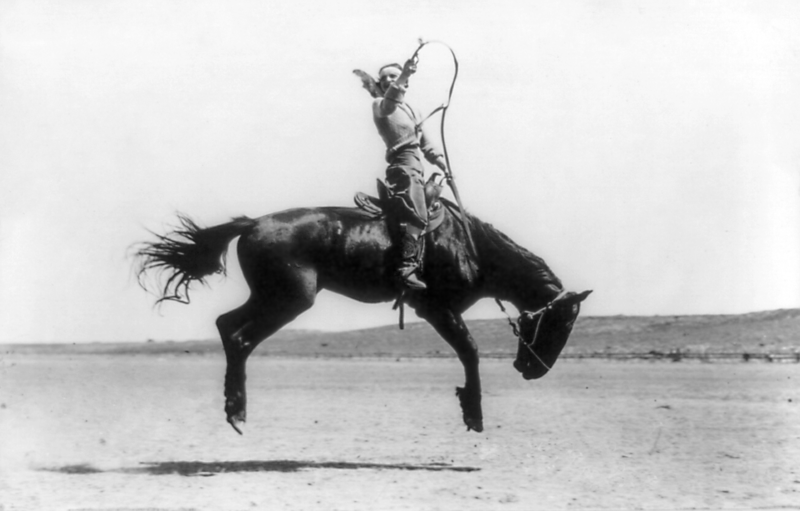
[
  {"x": 236, "y": 424},
  {"x": 474, "y": 425}
]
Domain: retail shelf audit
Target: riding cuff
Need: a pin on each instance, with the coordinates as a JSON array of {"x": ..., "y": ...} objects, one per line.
[{"x": 395, "y": 93}]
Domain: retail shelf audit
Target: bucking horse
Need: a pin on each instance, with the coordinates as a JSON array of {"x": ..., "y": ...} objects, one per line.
[{"x": 288, "y": 257}]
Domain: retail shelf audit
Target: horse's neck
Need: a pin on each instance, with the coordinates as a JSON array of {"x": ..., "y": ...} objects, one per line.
[{"x": 512, "y": 273}]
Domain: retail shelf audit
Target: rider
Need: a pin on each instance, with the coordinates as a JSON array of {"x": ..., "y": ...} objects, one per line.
[{"x": 399, "y": 126}]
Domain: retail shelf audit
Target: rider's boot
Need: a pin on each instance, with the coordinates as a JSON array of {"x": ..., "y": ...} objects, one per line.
[{"x": 409, "y": 258}]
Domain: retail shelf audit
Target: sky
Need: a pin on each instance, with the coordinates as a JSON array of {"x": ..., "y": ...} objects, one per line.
[{"x": 647, "y": 150}]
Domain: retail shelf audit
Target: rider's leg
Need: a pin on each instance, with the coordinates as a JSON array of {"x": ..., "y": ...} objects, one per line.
[
  {"x": 410, "y": 257},
  {"x": 408, "y": 190}
]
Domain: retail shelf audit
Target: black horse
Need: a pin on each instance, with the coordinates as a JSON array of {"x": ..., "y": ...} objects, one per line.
[{"x": 288, "y": 257}]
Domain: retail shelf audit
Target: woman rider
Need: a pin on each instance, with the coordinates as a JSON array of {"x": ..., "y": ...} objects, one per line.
[{"x": 399, "y": 126}]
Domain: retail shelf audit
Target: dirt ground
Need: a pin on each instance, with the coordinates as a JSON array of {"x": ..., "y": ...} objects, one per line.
[{"x": 142, "y": 432}]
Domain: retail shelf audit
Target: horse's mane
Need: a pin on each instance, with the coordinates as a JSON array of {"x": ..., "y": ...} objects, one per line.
[
  {"x": 504, "y": 251},
  {"x": 496, "y": 239}
]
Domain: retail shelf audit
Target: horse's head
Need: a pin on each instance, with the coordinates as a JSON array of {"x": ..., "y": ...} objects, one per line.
[{"x": 543, "y": 335}]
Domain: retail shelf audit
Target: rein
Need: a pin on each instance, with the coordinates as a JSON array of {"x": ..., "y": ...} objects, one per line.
[
  {"x": 444, "y": 106},
  {"x": 448, "y": 174},
  {"x": 538, "y": 313}
]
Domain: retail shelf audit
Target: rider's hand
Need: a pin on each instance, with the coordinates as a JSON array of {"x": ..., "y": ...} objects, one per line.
[{"x": 410, "y": 67}]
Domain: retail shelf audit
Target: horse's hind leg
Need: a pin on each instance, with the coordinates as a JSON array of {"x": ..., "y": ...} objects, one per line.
[{"x": 242, "y": 329}]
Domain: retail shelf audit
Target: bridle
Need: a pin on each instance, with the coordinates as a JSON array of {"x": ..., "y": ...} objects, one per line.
[{"x": 515, "y": 327}]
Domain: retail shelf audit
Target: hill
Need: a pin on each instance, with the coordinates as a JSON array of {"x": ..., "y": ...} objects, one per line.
[{"x": 755, "y": 334}]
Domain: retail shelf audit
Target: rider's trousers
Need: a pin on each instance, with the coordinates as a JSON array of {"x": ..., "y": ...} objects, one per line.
[{"x": 406, "y": 186}]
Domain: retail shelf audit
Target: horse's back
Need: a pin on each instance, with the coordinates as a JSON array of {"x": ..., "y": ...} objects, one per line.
[
  {"x": 316, "y": 227},
  {"x": 346, "y": 249}
]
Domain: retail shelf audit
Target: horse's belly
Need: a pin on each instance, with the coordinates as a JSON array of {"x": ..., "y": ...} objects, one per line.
[{"x": 364, "y": 286}]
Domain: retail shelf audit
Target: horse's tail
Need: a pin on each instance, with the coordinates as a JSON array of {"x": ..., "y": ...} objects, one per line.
[{"x": 189, "y": 253}]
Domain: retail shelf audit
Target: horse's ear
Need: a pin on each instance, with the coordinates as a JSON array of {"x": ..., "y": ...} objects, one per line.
[{"x": 573, "y": 298}]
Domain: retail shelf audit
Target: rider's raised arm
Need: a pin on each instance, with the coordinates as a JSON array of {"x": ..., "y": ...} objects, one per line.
[
  {"x": 393, "y": 96},
  {"x": 394, "y": 87}
]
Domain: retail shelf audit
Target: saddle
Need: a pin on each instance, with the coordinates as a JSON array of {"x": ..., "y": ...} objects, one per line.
[{"x": 376, "y": 207}]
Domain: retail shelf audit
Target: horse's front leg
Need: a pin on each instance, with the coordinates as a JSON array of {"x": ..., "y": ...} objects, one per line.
[{"x": 453, "y": 330}]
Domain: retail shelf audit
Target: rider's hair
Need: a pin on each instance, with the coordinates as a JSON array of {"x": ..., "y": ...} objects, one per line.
[{"x": 393, "y": 64}]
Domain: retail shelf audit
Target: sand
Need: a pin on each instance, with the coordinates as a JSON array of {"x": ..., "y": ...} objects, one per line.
[{"x": 146, "y": 432}]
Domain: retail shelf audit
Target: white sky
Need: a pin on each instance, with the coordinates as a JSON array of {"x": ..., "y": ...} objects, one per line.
[{"x": 646, "y": 150}]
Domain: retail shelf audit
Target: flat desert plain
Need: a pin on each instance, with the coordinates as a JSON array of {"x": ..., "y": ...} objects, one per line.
[{"x": 138, "y": 432}]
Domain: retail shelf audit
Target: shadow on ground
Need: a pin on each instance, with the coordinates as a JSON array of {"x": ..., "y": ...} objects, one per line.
[{"x": 201, "y": 468}]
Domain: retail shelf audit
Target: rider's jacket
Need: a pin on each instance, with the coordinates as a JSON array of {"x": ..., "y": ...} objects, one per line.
[{"x": 397, "y": 124}]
